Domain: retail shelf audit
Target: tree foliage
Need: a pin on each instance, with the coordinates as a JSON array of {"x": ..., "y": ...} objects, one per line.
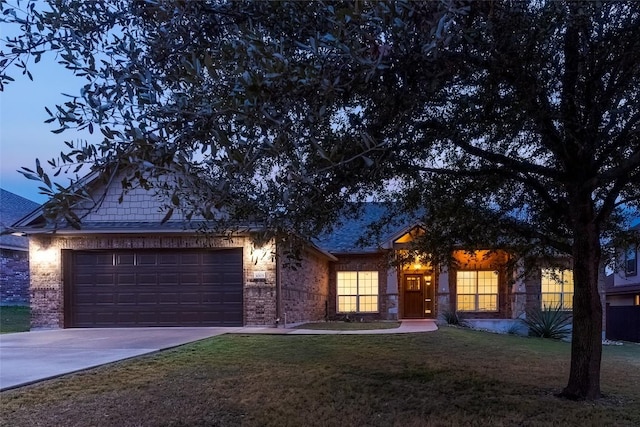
[{"x": 511, "y": 123}]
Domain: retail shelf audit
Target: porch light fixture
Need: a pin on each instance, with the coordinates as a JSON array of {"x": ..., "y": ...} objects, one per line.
[
  {"x": 44, "y": 255},
  {"x": 259, "y": 253}
]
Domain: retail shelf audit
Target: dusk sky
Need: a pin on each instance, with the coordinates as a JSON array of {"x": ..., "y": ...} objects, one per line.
[{"x": 23, "y": 134}]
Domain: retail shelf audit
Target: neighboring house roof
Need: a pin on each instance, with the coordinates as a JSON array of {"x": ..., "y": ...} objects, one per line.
[
  {"x": 624, "y": 289},
  {"x": 12, "y": 208},
  {"x": 354, "y": 233}
]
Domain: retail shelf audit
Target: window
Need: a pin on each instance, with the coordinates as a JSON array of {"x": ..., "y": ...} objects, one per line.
[
  {"x": 636, "y": 300},
  {"x": 631, "y": 261},
  {"x": 477, "y": 290},
  {"x": 557, "y": 288},
  {"x": 357, "y": 291}
]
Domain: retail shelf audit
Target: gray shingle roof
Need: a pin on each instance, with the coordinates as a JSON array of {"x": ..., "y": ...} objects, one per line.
[
  {"x": 348, "y": 235},
  {"x": 12, "y": 208}
]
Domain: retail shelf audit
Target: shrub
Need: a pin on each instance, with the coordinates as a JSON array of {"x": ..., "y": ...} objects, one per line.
[
  {"x": 453, "y": 318},
  {"x": 549, "y": 322}
]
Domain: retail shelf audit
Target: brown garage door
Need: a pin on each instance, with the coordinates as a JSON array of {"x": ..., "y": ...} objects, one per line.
[{"x": 119, "y": 288}]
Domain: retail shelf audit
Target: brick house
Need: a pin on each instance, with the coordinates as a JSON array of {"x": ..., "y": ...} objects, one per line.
[
  {"x": 14, "y": 250},
  {"x": 486, "y": 286},
  {"x": 126, "y": 268}
]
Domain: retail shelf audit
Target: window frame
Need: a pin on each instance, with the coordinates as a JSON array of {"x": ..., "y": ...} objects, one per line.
[
  {"x": 358, "y": 295},
  {"x": 633, "y": 261},
  {"x": 563, "y": 292},
  {"x": 476, "y": 296}
]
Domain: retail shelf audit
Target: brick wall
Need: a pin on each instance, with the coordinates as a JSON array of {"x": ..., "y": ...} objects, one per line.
[
  {"x": 14, "y": 277},
  {"x": 387, "y": 299},
  {"x": 47, "y": 290},
  {"x": 305, "y": 290}
]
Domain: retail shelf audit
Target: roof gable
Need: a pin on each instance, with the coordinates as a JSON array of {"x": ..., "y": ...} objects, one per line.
[{"x": 355, "y": 233}]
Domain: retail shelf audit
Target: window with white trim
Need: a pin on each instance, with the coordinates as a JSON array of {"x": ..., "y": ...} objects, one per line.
[
  {"x": 357, "y": 291},
  {"x": 477, "y": 290},
  {"x": 557, "y": 288}
]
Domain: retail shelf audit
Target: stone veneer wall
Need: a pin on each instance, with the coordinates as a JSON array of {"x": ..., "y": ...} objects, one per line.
[
  {"x": 47, "y": 290},
  {"x": 14, "y": 280},
  {"x": 387, "y": 302},
  {"x": 305, "y": 290}
]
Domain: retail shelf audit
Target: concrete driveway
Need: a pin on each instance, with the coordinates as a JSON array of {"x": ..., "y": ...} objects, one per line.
[{"x": 29, "y": 357}]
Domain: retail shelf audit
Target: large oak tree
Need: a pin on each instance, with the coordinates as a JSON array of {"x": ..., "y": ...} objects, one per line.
[{"x": 510, "y": 121}]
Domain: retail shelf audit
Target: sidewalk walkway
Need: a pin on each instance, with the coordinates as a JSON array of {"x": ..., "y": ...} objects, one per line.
[{"x": 406, "y": 326}]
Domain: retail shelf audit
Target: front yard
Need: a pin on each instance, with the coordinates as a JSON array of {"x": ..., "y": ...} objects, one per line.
[
  {"x": 449, "y": 377},
  {"x": 14, "y": 319}
]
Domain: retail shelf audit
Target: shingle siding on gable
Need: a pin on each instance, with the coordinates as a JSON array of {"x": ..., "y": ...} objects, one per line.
[{"x": 138, "y": 205}]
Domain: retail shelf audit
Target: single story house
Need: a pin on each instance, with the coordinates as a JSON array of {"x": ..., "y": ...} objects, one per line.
[
  {"x": 126, "y": 268},
  {"x": 14, "y": 250}
]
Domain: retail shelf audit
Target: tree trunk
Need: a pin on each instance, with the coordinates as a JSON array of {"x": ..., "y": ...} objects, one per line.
[{"x": 586, "y": 344}]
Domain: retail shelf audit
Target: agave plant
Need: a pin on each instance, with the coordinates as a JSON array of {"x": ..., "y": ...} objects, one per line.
[
  {"x": 453, "y": 318},
  {"x": 549, "y": 322}
]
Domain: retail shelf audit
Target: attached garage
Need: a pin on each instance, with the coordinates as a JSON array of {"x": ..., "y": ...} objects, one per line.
[{"x": 153, "y": 287}]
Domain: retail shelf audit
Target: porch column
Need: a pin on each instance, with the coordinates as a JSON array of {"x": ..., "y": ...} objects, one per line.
[{"x": 443, "y": 291}]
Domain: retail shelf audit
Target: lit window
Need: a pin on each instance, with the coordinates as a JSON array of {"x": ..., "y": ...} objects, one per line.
[
  {"x": 557, "y": 288},
  {"x": 357, "y": 291},
  {"x": 477, "y": 290},
  {"x": 636, "y": 300},
  {"x": 631, "y": 261}
]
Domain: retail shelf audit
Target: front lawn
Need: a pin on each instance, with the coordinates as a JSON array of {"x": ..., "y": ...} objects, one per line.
[
  {"x": 450, "y": 377},
  {"x": 349, "y": 326},
  {"x": 14, "y": 319}
]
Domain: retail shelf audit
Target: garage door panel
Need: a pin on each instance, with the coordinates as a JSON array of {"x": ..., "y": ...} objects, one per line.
[
  {"x": 125, "y": 259},
  {"x": 147, "y": 259},
  {"x": 125, "y": 279},
  {"x": 168, "y": 279},
  {"x": 190, "y": 259},
  {"x": 171, "y": 259},
  {"x": 190, "y": 279},
  {"x": 126, "y": 298},
  {"x": 157, "y": 288}
]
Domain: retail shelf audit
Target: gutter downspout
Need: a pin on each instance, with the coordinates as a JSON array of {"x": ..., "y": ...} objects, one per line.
[{"x": 278, "y": 287}]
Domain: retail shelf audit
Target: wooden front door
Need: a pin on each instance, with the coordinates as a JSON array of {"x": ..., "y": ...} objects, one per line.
[
  {"x": 418, "y": 296},
  {"x": 413, "y": 295}
]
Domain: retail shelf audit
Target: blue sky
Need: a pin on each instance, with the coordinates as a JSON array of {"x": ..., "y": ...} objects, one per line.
[{"x": 23, "y": 134}]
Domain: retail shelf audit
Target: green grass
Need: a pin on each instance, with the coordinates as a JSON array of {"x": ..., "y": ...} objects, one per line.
[
  {"x": 451, "y": 377},
  {"x": 14, "y": 319},
  {"x": 349, "y": 326}
]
